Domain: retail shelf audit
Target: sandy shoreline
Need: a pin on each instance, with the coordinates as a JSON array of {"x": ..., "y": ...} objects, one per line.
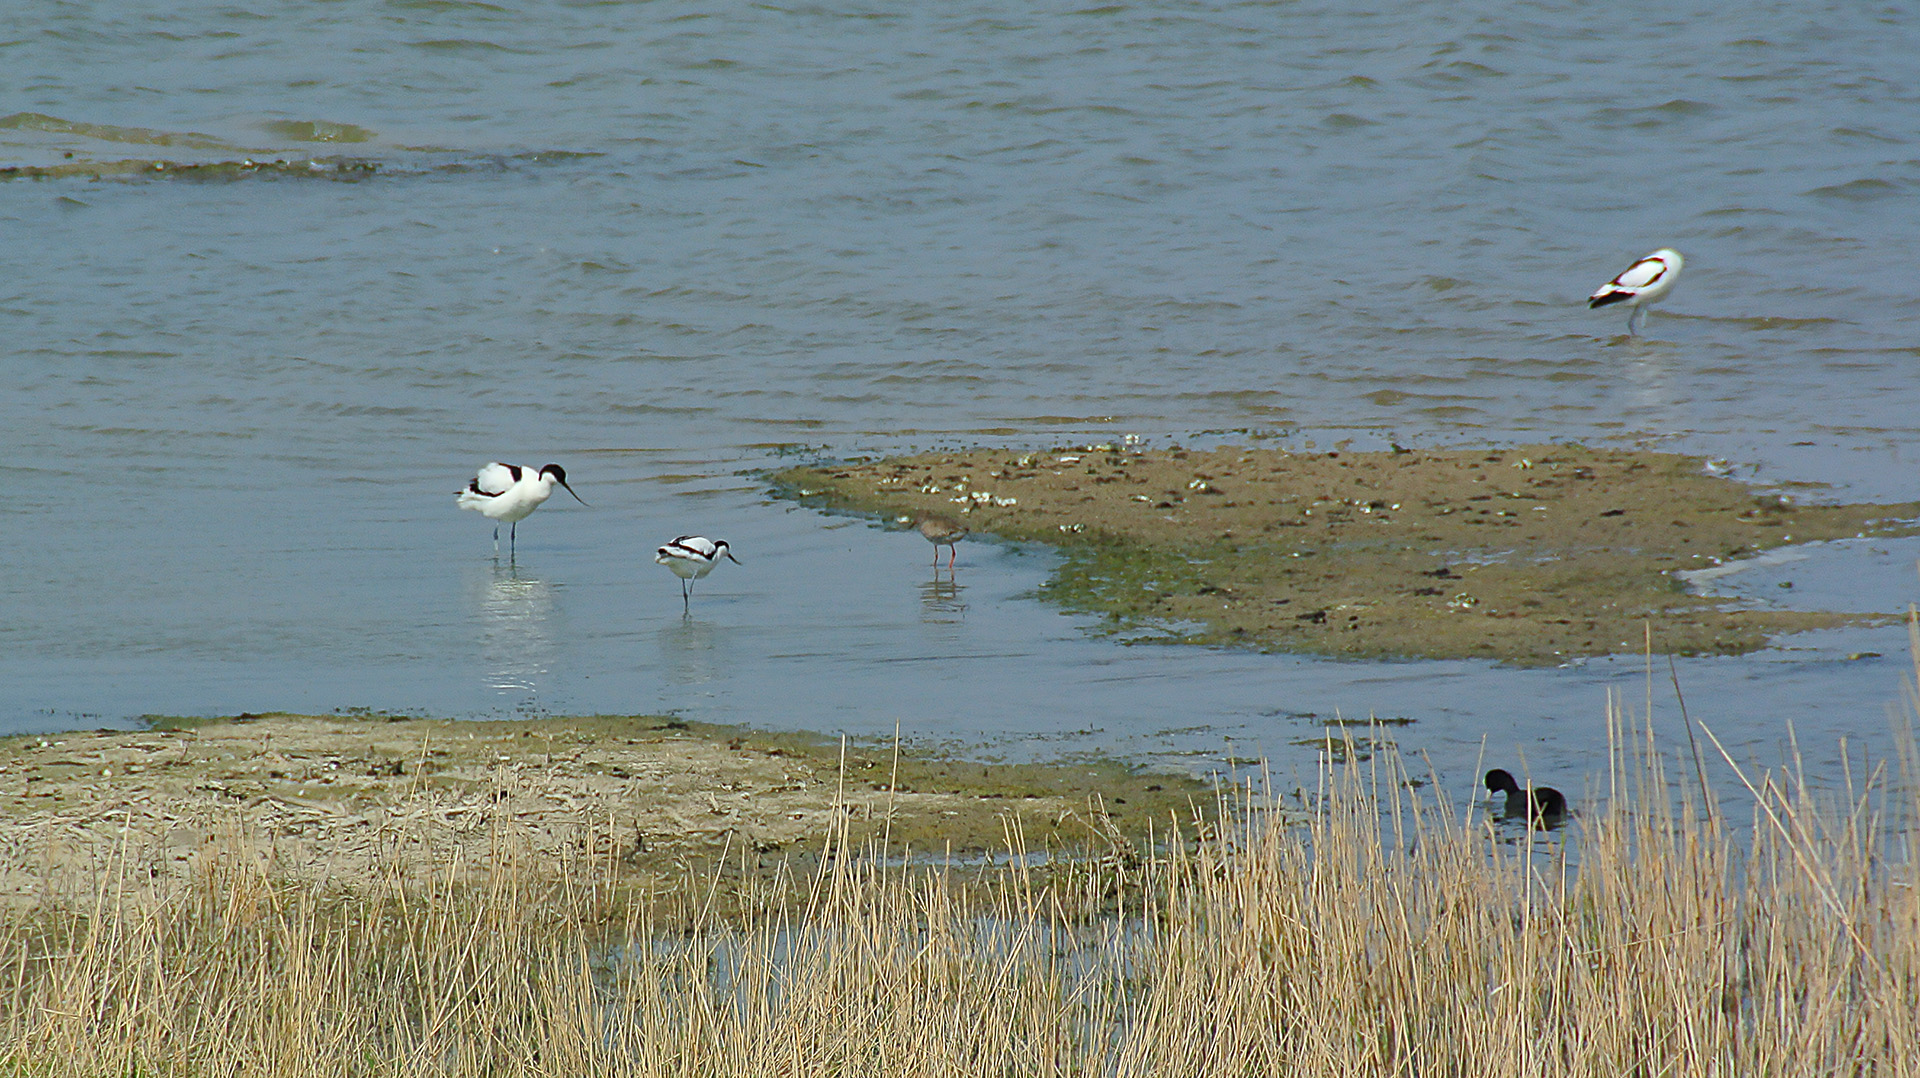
[
  {"x": 645, "y": 803},
  {"x": 1531, "y": 554}
]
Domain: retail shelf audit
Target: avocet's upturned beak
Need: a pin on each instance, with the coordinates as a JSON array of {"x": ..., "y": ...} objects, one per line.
[
  {"x": 559, "y": 475},
  {"x": 731, "y": 558}
]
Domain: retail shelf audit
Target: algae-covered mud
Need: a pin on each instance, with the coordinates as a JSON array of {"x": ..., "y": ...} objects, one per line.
[
  {"x": 201, "y": 156},
  {"x": 1531, "y": 554},
  {"x": 325, "y": 168},
  {"x": 348, "y": 169},
  {"x": 646, "y": 801}
]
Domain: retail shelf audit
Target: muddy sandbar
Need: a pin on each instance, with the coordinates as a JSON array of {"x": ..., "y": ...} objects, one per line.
[{"x": 1533, "y": 554}]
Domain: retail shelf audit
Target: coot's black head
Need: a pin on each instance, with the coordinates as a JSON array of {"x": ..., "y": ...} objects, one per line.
[{"x": 1500, "y": 781}]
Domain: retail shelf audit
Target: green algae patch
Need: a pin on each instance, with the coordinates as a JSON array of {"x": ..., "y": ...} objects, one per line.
[
  {"x": 317, "y": 131},
  {"x": 1531, "y": 555},
  {"x": 135, "y": 136},
  {"x": 649, "y": 805}
]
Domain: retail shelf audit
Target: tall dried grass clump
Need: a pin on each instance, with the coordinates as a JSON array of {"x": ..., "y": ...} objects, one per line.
[{"x": 1383, "y": 935}]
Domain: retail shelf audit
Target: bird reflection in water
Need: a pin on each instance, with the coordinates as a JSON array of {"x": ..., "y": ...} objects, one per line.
[
  {"x": 689, "y": 650},
  {"x": 1653, "y": 388},
  {"x": 516, "y": 644},
  {"x": 940, "y": 602}
]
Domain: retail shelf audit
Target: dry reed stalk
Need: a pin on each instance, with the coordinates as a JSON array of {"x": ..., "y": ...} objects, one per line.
[{"x": 1386, "y": 935}]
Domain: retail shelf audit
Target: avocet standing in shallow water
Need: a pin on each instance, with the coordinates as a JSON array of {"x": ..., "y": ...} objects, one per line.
[
  {"x": 509, "y": 492},
  {"x": 1645, "y": 282},
  {"x": 692, "y": 557}
]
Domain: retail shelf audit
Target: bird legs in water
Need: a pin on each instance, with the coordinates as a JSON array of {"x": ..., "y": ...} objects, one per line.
[{"x": 513, "y": 533}]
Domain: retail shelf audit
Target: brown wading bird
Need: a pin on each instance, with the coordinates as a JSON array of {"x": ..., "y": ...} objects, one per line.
[
  {"x": 1542, "y": 803},
  {"x": 941, "y": 531}
]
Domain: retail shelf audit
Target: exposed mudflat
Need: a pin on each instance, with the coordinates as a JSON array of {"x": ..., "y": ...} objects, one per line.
[
  {"x": 1533, "y": 554},
  {"x": 647, "y": 804},
  {"x": 330, "y": 168}
]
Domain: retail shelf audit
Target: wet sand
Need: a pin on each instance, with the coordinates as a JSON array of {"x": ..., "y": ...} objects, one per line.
[
  {"x": 1532, "y": 555},
  {"x": 647, "y": 804}
]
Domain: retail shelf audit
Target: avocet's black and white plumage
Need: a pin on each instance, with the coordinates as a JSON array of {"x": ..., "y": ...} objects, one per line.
[
  {"x": 1645, "y": 282},
  {"x": 508, "y": 492},
  {"x": 692, "y": 557}
]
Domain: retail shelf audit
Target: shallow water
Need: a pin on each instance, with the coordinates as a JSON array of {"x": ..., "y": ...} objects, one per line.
[{"x": 665, "y": 246}]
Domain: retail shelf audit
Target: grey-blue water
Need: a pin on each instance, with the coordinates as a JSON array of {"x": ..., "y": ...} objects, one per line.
[{"x": 664, "y": 243}]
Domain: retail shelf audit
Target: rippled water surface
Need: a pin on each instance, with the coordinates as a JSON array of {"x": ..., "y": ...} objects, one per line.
[{"x": 671, "y": 247}]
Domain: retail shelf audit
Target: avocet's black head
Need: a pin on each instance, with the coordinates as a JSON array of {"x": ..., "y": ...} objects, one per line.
[
  {"x": 1500, "y": 781},
  {"x": 721, "y": 549},
  {"x": 560, "y": 476}
]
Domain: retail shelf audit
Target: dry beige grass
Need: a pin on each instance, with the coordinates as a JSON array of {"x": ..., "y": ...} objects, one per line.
[{"x": 1384, "y": 937}]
